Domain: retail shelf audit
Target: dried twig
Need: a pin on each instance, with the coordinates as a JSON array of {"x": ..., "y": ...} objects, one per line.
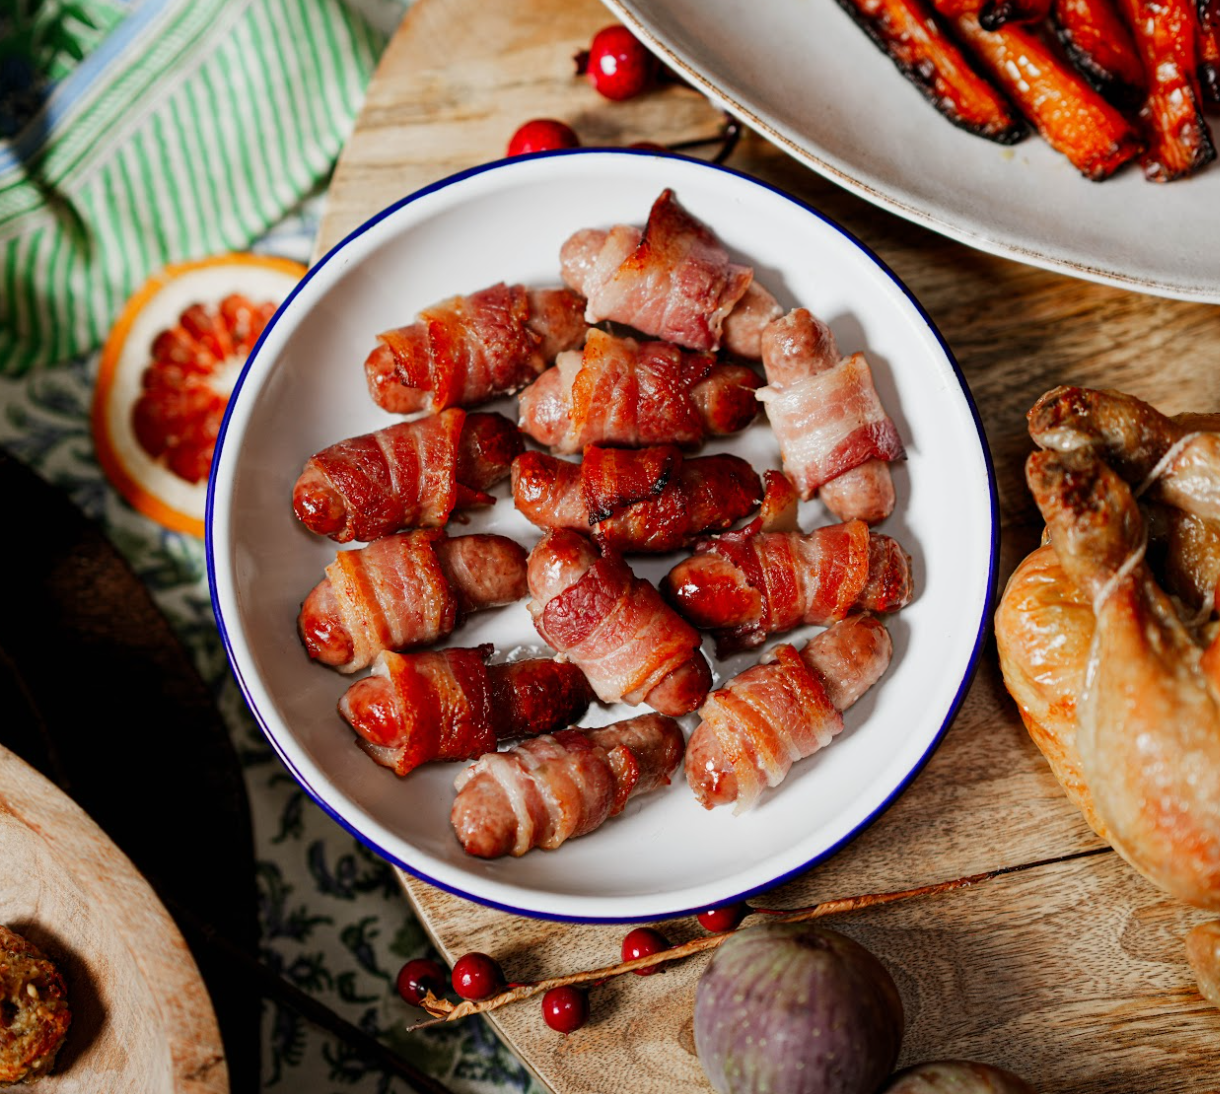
[
  {"x": 442, "y": 1010},
  {"x": 730, "y": 133}
]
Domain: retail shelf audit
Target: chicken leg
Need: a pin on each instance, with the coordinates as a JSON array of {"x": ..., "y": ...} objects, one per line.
[{"x": 1149, "y": 719}]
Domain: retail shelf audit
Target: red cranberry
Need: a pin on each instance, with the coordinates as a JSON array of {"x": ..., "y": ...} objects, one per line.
[
  {"x": 619, "y": 66},
  {"x": 477, "y": 976},
  {"x": 565, "y": 1009},
  {"x": 542, "y": 135},
  {"x": 418, "y": 977},
  {"x": 644, "y": 942},
  {"x": 724, "y": 918}
]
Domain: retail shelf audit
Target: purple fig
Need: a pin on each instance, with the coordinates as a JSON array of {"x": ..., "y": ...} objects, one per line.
[{"x": 796, "y": 1009}]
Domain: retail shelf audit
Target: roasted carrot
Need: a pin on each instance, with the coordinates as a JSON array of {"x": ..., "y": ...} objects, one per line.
[
  {"x": 1166, "y": 37},
  {"x": 996, "y": 13},
  {"x": 1098, "y": 43},
  {"x": 1072, "y": 117},
  {"x": 1208, "y": 12},
  {"x": 907, "y": 32}
]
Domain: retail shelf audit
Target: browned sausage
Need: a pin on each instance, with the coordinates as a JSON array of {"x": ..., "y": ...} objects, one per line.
[
  {"x": 452, "y": 705},
  {"x": 468, "y": 349},
  {"x": 553, "y": 788},
  {"x": 622, "y": 392},
  {"x": 754, "y": 725},
  {"x": 576, "y": 590},
  {"x": 744, "y": 587},
  {"x": 407, "y": 475},
  {"x": 795, "y": 349},
  {"x": 650, "y": 500},
  {"x": 406, "y": 590}
]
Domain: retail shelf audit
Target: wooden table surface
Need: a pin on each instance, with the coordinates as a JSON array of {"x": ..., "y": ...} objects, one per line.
[{"x": 1071, "y": 972}]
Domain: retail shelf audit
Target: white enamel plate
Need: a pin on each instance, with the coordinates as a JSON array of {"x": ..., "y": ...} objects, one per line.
[{"x": 303, "y": 389}]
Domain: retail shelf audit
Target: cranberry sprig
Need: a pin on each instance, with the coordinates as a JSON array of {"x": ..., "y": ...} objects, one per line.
[
  {"x": 619, "y": 67},
  {"x": 442, "y": 1010},
  {"x": 549, "y": 134}
]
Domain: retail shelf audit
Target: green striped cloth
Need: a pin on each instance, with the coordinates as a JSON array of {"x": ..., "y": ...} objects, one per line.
[{"x": 134, "y": 133}]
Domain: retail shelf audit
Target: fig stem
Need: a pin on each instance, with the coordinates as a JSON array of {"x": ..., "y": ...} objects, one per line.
[{"x": 442, "y": 1010}]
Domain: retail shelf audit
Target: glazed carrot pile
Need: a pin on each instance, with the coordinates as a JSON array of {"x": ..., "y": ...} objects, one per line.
[{"x": 1104, "y": 82}]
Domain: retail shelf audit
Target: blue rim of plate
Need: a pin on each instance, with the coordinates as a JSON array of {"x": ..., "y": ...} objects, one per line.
[{"x": 789, "y": 875}]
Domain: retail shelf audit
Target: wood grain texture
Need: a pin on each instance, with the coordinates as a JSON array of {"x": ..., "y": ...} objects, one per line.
[
  {"x": 142, "y": 1021},
  {"x": 1071, "y": 973}
]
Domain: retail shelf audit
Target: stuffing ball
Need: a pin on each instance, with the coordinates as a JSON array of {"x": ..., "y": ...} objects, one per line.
[{"x": 34, "y": 1012}]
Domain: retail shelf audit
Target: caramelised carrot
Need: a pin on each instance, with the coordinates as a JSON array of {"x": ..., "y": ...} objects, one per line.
[
  {"x": 1098, "y": 43},
  {"x": 996, "y": 13},
  {"x": 907, "y": 32},
  {"x": 1208, "y": 12},
  {"x": 1070, "y": 115},
  {"x": 1166, "y": 36}
]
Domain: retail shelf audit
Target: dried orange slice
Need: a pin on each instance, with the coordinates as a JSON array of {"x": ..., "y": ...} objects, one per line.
[{"x": 167, "y": 369}]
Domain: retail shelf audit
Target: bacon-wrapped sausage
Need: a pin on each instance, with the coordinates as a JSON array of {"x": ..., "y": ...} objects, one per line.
[
  {"x": 623, "y": 392},
  {"x": 648, "y": 500},
  {"x": 553, "y": 788},
  {"x": 453, "y": 705},
  {"x": 407, "y": 475},
  {"x": 782, "y": 710},
  {"x": 744, "y": 587},
  {"x": 673, "y": 281},
  {"x": 406, "y": 590},
  {"x": 468, "y": 349},
  {"x": 834, "y": 435},
  {"x": 632, "y": 646}
]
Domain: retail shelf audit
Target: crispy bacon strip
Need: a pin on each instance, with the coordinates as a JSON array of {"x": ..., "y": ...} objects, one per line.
[
  {"x": 1071, "y": 117},
  {"x": 554, "y": 788},
  {"x": 674, "y": 281},
  {"x": 907, "y": 32},
  {"x": 623, "y": 392},
  {"x": 469, "y": 349},
  {"x": 1099, "y": 44},
  {"x": 744, "y": 587},
  {"x": 406, "y": 590},
  {"x": 407, "y": 475},
  {"x": 780, "y": 506},
  {"x": 650, "y": 500},
  {"x": 453, "y": 705},
  {"x": 632, "y": 646},
  {"x": 782, "y": 710},
  {"x": 828, "y": 419},
  {"x": 1166, "y": 36}
]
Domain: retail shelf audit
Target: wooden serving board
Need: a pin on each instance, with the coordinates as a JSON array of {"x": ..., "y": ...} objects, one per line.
[
  {"x": 1070, "y": 972},
  {"x": 142, "y": 1022}
]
